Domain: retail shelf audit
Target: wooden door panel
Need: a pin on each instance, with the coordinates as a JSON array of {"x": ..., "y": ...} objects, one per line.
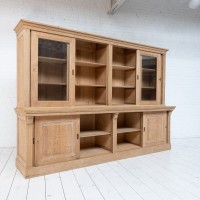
[
  {"x": 155, "y": 129},
  {"x": 52, "y": 77},
  {"x": 56, "y": 139},
  {"x": 149, "y": 81}
]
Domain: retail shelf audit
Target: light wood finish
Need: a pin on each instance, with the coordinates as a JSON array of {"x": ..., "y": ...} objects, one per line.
[
  {"x": 51, "y": 60},
  {"x": 155, "y": 125},
  {"x": 79, "y": 99},
  {"x": 23, "y": 68},
  {"x": 126, "y": 130},
  {"x": 54, "y": 74},
  {"x": 147, "y": 85},
  {"x": 56, "y": 139},
  {"x": 93, "y": 133},
  {"x": 126, "y": 146}
]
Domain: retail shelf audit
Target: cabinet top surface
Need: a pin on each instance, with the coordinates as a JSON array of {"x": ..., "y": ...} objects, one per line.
[
  {"x": 35, "y": 26},
  {"x": 93, "y": 109}
]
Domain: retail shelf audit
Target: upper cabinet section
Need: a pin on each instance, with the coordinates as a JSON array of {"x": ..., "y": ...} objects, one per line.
[
  {"x": 59, "y": 67},
  {"x": 149, "y": 78},
  {"x": 52, "y": 69}
]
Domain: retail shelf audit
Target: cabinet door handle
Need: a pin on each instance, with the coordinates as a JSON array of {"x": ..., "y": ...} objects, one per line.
[
  {"x": 77, "y": 136},
  {"x": 137, "y": 77},
  {"x": 72, "y": 71},
  {"x": 144, "y": 129}
]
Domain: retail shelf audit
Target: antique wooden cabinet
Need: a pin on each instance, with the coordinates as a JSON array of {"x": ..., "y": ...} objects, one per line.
[{"x": 84, "y": 99}]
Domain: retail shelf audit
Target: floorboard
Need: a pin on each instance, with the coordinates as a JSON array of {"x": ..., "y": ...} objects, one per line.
[{"x": 173, "y": 175}]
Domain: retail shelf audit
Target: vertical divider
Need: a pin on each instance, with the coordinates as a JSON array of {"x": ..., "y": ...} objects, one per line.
[
  {"x": 142, "y": 130},
  {"x": 71, "y": 73},
  {"x": 138, "y": 78},
  {"x": 114, "y": 132},
  {"x": 109, "y": 74}
]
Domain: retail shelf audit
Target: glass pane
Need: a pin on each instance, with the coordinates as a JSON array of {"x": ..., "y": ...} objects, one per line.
[
  {"x": 149, "y": 68},
  {"x": 52, "y": 70}
]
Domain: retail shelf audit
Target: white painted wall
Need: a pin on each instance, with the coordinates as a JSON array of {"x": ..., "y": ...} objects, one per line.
[{"x": 163, "y": 23}]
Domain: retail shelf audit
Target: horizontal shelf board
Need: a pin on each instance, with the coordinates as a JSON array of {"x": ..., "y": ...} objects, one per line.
[
  {"x": 93, "y": 133},
  {"x": 127, "y": 130},
  {"x": 85, "y": 85},
  {"x": 148, "y": 70},
  {"x": 149, "y": 88},
  {"x": 123, "y": 86},
  {"x": 52, "y": 83},
  {"x": 51, "y": 60},
  {"x": 126, "y": 146},
  {"x": 121, "y": 67},
  {"x": 89, "y": 64},
  {"x": 92, "y": 151}
]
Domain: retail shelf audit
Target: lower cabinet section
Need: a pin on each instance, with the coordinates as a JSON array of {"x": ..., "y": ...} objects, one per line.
[
  {"x": 67, "y": 142},
  {"x": 155, "y": 128},
  {"x": 56, "y": 139}
]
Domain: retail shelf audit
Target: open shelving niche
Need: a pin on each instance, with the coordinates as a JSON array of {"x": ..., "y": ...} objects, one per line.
[
  {"x": 129, "y": 131},
  {"x": 123, "y": 76},
  {"x": 95, "y": 134},
  {"x": 90, "y": 73},
  {"x": 52, "y": 70}
]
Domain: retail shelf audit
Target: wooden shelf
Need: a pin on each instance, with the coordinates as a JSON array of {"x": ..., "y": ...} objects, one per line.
[
  {"x": 148, "y": 70},
  {"x": 85, "y": 85},
  {"x": 127, "y": 130},
  {"x": 149, "y": 88},
  {"x": 120, "y": 67},
  {"x": 92, "y": 151},
  {"x": 93, "y": 133},
  {"x": 89, "y": 64},
  {"x": 51, "y": 60},
  {"x": 126, "y": 146},
  {"x": 54, "y": 83},
  {"x": 123, "y": 86}
]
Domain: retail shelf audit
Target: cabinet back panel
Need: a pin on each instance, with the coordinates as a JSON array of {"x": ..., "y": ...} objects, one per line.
[
  {"x": 129, "y": 78},
  {"x": 118, "y": 56},
  {"x": 51, "y": 93},
  {"x": 85, "y": 96},
  {"x": 87, "y": 142},
  {"x": 118, "y": 78},
  {"x": 117, "y": 95},
  {"x": 129, "y": 96},
  {"x": 87, "y": 122},
  {"x": 90, "y": 52},
  {"x": 130, "y": 58},
  {"x": 85, "y": 75},
  {"x": 90, "y": 96},
  {"x": 132, "y": 120},
  {"x": 51, "y": 73}
]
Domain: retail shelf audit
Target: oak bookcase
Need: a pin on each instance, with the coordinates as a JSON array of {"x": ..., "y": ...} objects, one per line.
[{"x": 84, "y": 99}]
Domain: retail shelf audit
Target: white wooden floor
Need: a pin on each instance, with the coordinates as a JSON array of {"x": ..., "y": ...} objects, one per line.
[{"x": 169, "y": 175}]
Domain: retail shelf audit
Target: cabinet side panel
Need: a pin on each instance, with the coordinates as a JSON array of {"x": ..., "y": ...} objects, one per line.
[
  {"x": 23, "y": 68},
  {"x": 21, "y": 139}
]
